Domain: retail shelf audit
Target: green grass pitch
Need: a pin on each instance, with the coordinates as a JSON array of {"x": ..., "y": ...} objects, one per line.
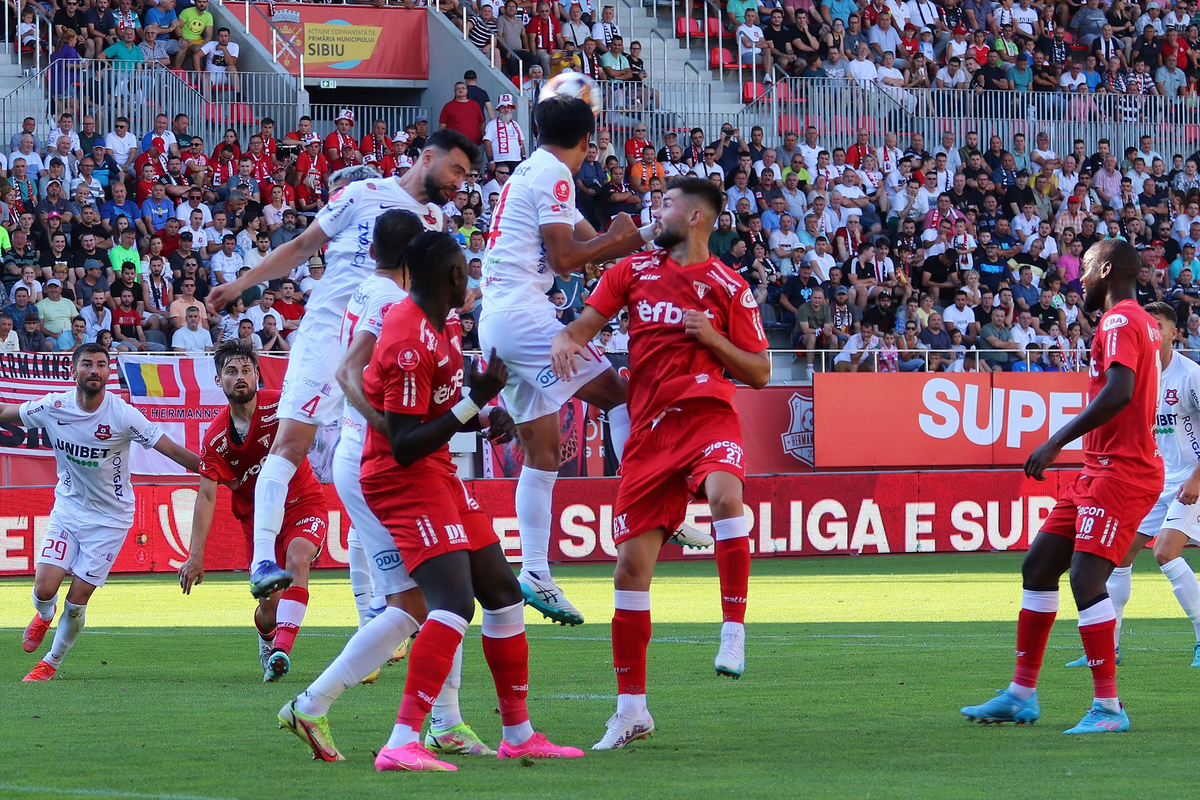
[{"x": 856, "y": 668}]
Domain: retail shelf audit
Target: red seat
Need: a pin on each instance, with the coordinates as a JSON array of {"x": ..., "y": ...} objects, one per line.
[
  {"x": 815, "y": 122},
  {"x": 687, "y": 26},
  {"x": 714, "y": 27},
  {"x": 752, "y": 91},
  {"x": 1191, "y": 132},
  {"x": 214, "y": 113},
  {"x": 869, "y": 124},
  {"x": 516, "y": 81},
  {"x": 241, "y": 112},
  {"x": 784, "y": 94},
  {"x": 721, "y": 58},
  {"x": 789, "y": 123}
]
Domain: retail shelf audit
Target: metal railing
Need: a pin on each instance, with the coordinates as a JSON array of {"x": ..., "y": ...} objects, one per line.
[
  {"x": 921, "y": 359},
  {"x": 282, "y": 45},
  {"x": 396, "y": 117}
]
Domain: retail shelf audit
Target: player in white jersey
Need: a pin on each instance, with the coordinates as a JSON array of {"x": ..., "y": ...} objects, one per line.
[
  {"x": 311, "y": 395},
  {"x": 1175, "y": 518},
  {"x": 376, "y": 568},
  {"x": 91, "y": 430},
  {"x": 537, "y": 233}
]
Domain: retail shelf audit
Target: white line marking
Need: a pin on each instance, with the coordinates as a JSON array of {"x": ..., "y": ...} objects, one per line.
[{"x": 105, "y": 793}]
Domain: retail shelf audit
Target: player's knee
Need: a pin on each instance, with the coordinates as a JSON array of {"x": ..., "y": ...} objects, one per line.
[
  {"x": 725, "y": 505},
  {"x": 411, "y": 602},
  {"x": 462, "y": 606}
]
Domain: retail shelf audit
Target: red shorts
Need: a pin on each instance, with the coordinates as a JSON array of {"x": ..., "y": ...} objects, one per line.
[
  {"x": 428, "y": 515},
  {"x": 1101, "y": 515},
  {"x": 665, "y": 466},
  {"x": 304, "y": 520}
]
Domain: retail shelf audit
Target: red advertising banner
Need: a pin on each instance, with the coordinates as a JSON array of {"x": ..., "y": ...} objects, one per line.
[
  {"x": 812, "y": 515},
  {"x": 942, "y": 420},
  {"x": 346, "y": 41}
]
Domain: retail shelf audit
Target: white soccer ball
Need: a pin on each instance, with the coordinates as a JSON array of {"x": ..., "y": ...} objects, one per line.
[{"x": 577, "y": 85}]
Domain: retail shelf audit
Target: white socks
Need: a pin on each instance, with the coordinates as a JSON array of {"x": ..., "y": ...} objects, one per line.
[
  {"x": 270, "y": 498},
  {"x": 632, "y": 706},
  {"x": 445, "y": 713},
  {"x": 618, "y": 429},
  {"x": 535, "y": 493},
  {"x": 1120, "y": 587},
  {"x": 45, "y": 608},
  {"x": 360, "y": 575},
  {"x": 366, "y": 651},
  {"x": 70, "y": 625},
  {"x": 1186, "y": 588},
  {"x": 517, "y": 734}
]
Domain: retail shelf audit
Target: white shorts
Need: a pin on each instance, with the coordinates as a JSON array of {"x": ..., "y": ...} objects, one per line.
[
  {"x": 522, "y": 337},
  {"x": 388, "y": 575},
  {"x": 86, "y": 550},
  {"x": 311, "y": 393},
  {"x": 1170, "y": 513}
]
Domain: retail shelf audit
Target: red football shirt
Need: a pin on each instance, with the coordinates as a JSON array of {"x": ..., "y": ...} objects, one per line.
[
  {"x": 668, "y": 366},
  {"x": 1124, "y": 448},
  {"x": 336, "y": 141},
  {"x": 417, "y": 371},
  {"x": 224, "y": 460}
]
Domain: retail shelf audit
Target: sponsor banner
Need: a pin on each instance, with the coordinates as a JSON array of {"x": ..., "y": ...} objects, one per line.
[
  {"x": 180, "y": 395},
  {"x": 347, "y": 41},
  {"x": 942, "y": 420},
  {"x": 810, "y": 515},
  {"x": 777, "y": 428},
  {"x": 28, "y": 376}
]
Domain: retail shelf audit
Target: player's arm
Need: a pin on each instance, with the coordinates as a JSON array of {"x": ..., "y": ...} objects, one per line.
[
  {"x": 569, "y": 248},
  {"x": 10, "y": 413},
  {"x": 279, "y": 263},
  {"x": 1116, "y": 394},
  {"x": 177, "y": 453},
  {"x": 411, "y": 439},
  {"x": 752, "y": 369},
  {"x": 191, "y": 573},
  {"x": 350, "y": 378},
  {"x": 571, "y": 342}
]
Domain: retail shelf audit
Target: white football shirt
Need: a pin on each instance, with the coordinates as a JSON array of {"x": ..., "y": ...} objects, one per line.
[
  {"x": 541, "y": 191},
  {"x": 1178, "y": 416},
  {"x": 349, "y": 220},
  {"x": 92, "y": 453}
]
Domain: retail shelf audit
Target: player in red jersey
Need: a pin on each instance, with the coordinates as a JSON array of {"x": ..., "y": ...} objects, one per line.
[
  {"x": 234, "y": 448},
  {"x": 691, "y": 320},
  {"x": 1094, "y": 522},
  {"x": 447, "y": 544}
]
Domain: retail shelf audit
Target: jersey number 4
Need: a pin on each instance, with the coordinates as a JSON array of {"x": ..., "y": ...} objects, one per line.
[
  {"x": 494, "y": 234},
  {"x": 310, "y": 407}
]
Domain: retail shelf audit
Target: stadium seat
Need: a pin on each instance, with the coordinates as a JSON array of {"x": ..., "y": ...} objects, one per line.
[
  {"x": 241, "y": 112},
  {"x": 684, "y": 27},
  {"x": 516, "y": 81},
  {"x": 214, "y": 113},
  {"x": 753, "y": 91},
  {"x": 721, "y": 58},
  {"x": 714, "y": 27},
  {"x": 815, "y": 122},
  {"x": 789, "y": 123}
]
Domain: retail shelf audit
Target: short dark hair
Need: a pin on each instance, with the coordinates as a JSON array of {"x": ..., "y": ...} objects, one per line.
[
  {"x": 564, "y": 121},
  {"x": 395, "y": 230},
  {"x": 234, "y": 348},
  {"x": 91, "y": 348},
  {"x": 448, "y": 139},
  {"x": 428, "y": 252}
]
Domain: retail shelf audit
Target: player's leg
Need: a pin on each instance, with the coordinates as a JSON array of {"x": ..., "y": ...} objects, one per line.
[
  {"x": 46, "y": 582},
  {"x": 360, "y": 576},
  {"x": 1048, "y": 558},
  {"x": 292, "y": 442},
  {"x": 631, "y": 628},
  {"x": 1097, "y": 621},
  {"x": 293, "y": 603},
  {"x": 724, "y": 493},
  {"x": 265, "y": 627},
  {"x": 1168, "y": 552},
  {"x": 607, "y": 391},
  {"x": 1120, "y": 583},
  {"x": 70, "y": 624}
]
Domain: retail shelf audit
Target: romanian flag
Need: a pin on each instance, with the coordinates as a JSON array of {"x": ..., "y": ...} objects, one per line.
[{"x": 152, "y": 380}]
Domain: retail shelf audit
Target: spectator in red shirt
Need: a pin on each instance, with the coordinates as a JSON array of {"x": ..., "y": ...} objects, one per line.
[
  {"x": 543, "y": 36},
  {"x": 288, "y": 307},
  {"x": 463, "y": 115},
  {"x": 334, "y": 142}
]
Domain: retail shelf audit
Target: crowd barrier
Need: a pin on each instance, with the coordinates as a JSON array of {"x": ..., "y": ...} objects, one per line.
[{"x": 791, "y": 515}]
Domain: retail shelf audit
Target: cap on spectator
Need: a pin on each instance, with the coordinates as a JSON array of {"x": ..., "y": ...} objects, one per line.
[
  {"x": 420, "y": 119},
  {"x": 842, "y": 290},
  {"x": 1153, "y": 4},
  {"x": 311, "y": 138},
  {"x": 291, "y": 211},
  {"x": 1158, "y": 243},
  {"x": 884, "y": 293},
  {"x": 158, "y": 144},
  {"x": 400, "y": 137},
  {"x": 53, "y": 214},
  {"x": 54, "y": 180},
  {"x": 316, "y": 261},
  {"x": 908, "y": 26},
  {"x": 404, "y": 162},
  {"x": 1076, "y": 199},
  {"x": 369, "y": 158},
  {"x": 98, "y": 145},
  {"x": 1023, "y": 173},
  {"x": 345, "y": 113},
  {"x": 505, "y": 100},
  {"x": 92, "y": 263},
  {"x": 961, "y": 29},
  {"x": 31, "y": 316},
  {"x": 992, "y": 243},
  {"x": 54, "y": 282}
]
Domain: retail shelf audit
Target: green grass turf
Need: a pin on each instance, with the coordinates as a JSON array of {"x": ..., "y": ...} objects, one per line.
[{"x": 856, "y": 670}]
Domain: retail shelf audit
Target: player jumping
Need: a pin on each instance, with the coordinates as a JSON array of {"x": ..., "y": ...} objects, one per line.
[
  {"x": 376, "y": 554},
  {"x": 91, "y": 431},
  {"x": 1090, "y": 529},
  {"x": 446, "y": 542},
  {"x": 1175, "y": 518},
  {"x": 691, "y": 321},
  {"x": 311, "y": 396},
  {"x": 537, "y": 233},
  {"x": 234, "y": 448}
]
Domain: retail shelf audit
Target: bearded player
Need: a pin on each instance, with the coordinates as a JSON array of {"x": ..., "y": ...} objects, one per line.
[
  {"x": 373, "y": 552},
  {"x": 447, "y": 543},
  {"x": 311, "y": 395},
  {"x": 1091, "y": 528},
  {"x": 538, "y": 233},
  {"x": 93, "y": 501},
  {"x": 1175, "y": 518},
  {"x": 691, "y": 321},
  {"x": 234, "y": 448}
]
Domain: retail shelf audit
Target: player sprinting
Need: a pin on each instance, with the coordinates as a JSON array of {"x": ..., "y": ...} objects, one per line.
[
  {"x": 311, "y": 396},
  {"x": 91, "y": 431},
  {"x": 234, "y": 448},
  {"x": 448, "y": 545},
  {"x": 1090, "y": 529},
  {"x": 372, "y": 549},
  {"x": 691, "y": 321},
  {"x": 1175, "y": 518},
  {"x": 537, "y": 233}
]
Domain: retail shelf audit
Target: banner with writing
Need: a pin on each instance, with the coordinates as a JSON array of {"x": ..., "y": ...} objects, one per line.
[{"x": 28, "y": 376}]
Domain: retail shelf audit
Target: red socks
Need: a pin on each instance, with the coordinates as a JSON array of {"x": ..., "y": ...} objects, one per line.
[
  {"x": 1038, "y": 610},
  {"x": 507, "y": 654},
  {"x": 630, "y": 638},
  {"x": 733, "y": 570},
  {"x": 429, "y": 663},
  {"x": 1096, "y": 625},
  {"x": 289, "y": 614}
]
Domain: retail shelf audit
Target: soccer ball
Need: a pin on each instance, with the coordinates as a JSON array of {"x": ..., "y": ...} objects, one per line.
[{"x": 577, "y": 85}]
